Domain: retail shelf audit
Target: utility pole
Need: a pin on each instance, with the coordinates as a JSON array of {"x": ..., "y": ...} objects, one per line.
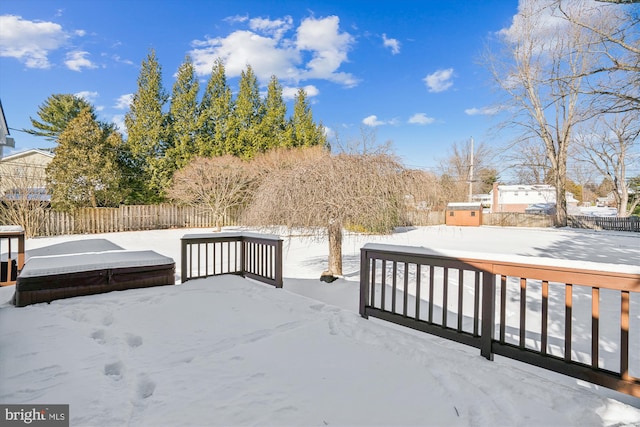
[{"x": 471, "y": 173}]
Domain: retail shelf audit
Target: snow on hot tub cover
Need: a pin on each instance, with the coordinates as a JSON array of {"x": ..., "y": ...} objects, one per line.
[{"x": 51, "y": 265}]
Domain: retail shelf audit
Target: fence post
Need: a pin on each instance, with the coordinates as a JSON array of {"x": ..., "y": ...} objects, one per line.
[
  {"x": 364, "y": 282},
  {"x": 488, "y": 314},
  {"x": 278, "y": 262},
  {"x": 183, "y": 261}
]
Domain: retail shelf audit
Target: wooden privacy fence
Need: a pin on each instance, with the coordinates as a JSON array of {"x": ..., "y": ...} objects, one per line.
[
  {"x": 631, "y": 223},
  {"x": 571, "y": 320},
  {"x": 517, "y": 219},
  {"x": 253, "y": 255},
  {"x": 128, "y": 218},
  {"x": 502, "y": 219}
]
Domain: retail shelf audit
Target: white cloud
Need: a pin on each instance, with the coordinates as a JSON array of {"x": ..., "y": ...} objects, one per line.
[
  {"x": 290, "y": 92},
  {"x": 30, "y": 41},
  {"x": 328, "y": 46},
  {"x": 484, "y": 111},
  {"x": 117, "y": 58},
  {"x": 544, "y": 24},
  {"x": 90, "y": 97},
  {"x": 316, "y": 50},
  {"x": 276, "y": 27},
  {"x": 80, "y": 33},
  {"x": 421, "y": 119},
  {"x": 237, "y": 19},
  {"x": 393, "y": 44},
  {"x": 77, "y": 60},
  {"x": 440, "y": 80},
  {"x": 118, "y": 120},
  {"x": 372, "y": 121},
  {"x": 124, "y": 101},
  {"x": 240, "y": 48}
]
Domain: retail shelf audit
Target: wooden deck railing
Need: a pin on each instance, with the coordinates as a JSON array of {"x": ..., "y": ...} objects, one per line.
[
  {"x": 12, "y": 253},
  {"x": 568, "y": 317},
  {"x": 253, "y": 255}
]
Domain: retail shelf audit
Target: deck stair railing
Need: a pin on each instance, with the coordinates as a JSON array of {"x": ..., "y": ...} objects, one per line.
[
  {"x": 253, "y": 255},
  {"x": 580, "y": 319}
]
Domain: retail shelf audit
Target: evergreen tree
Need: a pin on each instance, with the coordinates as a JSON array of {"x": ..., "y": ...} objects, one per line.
[
  {"x": 273, "y": 128},
  {"x": 56, "y": 113},
  {"x": 183, "y": 117},
  {"x": 305, "y": 133},
  {"x": 86, "y": 169},
  {"x": 147, "y": 134},
  {"x": 247, "y": 115},
  {"x": 214, "y": 113}
]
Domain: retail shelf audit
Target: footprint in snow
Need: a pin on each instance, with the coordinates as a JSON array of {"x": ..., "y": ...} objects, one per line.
[
  {"x": 146, "y": 386},
  {"x": 133, "y": 341},
  {"x": 114, "y": 370}
]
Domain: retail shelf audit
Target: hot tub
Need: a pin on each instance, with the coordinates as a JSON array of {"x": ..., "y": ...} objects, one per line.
[{"x": 48, "y": 278}]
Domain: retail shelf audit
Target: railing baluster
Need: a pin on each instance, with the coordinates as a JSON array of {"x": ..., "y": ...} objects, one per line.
[
  {"x": 445, "y": 296},
  {"x": 264, "y": 260},
  {"x": 373, "y": 282},
  {"x": 394, "y": 283},
  {"x": 476, "y": 305},
  {"x": 214, "y": 257},
  {"x": 523, "y": 311},
  {"x": 431, "y": 284},
  {"x": 191, "y": 250},
  {"x": 624, "y": 335},
  {"x": 568, "y": 304},
  {"x": 418, "y": 300},
  {"x": 595, "y": 326},
  {"x": 384, "y": 284},
  {"x": 545, "y": 317},
  {"x": 460, "y": 296},
  {"x": 206, "y": 257},
  {"x": 405, "y": 298},
  {"x": 503, "y": 307}
]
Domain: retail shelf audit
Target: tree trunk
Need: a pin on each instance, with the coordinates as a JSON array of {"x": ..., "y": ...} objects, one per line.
[
  {"x": 335, "y": 249},
  {"x": 219, "y": 222},
  {"x": 561, "y": 195}
]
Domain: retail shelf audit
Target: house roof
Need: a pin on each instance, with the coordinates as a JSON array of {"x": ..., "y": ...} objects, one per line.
[
  {"x": 26, "y": 153},
  {"x": 4, "y": 128}
]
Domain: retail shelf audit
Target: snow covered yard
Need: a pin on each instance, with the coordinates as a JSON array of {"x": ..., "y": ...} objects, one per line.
[{"x": 229, "y": 351}]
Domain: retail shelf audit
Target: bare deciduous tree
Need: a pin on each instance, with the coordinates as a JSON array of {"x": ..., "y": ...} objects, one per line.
[
  {"x": 607, "y": 148},
  {"x": 213, "y": 184},
  {"x": 25, "y": 199},
  {"x": 543, "y": 73},
  {"x": 617, "y": 75},
  {"x": 529, "y": 163},
  {"x": 460, "y": 165},
  {"x": 327, "y": 192}
]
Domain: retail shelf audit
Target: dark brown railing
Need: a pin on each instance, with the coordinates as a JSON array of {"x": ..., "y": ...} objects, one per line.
[
  {"x": 252, "y": 255},
  {"x": 455, "y": 298},
  {"x": 12, "y": 253}
]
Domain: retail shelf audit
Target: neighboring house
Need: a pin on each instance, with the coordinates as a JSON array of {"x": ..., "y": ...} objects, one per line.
[
  {"x": 609, "y": 201},
  {"x": 5, "y": 139},
  {"x": 517, "y": 198},
  {"x": 24, "y": 173}
]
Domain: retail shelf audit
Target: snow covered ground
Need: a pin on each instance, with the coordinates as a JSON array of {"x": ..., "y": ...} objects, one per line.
[{"x": 229, "y": 351}]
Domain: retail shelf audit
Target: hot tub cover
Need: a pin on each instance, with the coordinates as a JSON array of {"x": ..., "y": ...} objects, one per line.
[{"x": 47, "y": 278}]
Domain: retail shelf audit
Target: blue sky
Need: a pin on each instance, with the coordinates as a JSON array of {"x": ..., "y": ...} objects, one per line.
[{"x": 409, "y": 69}]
